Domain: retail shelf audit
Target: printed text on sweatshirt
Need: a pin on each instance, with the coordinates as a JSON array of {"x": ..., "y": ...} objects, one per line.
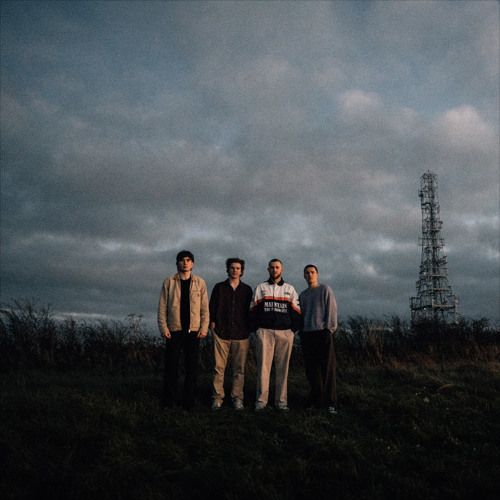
[{"x": 275, "y": 306}]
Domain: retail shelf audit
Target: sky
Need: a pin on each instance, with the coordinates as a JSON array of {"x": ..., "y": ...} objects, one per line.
[{"x": 297, "y": 130}]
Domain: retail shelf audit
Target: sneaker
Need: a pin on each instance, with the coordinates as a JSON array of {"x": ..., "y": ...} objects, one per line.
[
  {"x": 259, "y": 406},
  {"x": 216, "y": 405},
  {"x": 238, "y": 404},
  {"x": 283, "y": 408},
  {"x": 332, "y": 410}
]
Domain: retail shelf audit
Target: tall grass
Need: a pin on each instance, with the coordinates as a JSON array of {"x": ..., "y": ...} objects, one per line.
[
  {"x": 31, "y": 337},
  {"x": 362, "y": 340}
]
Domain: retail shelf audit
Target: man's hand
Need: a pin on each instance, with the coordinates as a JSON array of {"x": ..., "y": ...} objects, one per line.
[
  {"x": 167, "y": 334},
  {"x": 202, "y": 334}
]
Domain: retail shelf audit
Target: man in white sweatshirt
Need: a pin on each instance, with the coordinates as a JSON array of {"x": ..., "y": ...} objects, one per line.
[{"x": 275, "y": 315}]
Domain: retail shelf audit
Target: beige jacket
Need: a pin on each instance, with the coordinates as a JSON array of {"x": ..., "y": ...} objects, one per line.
[{"x": 169, "y": 307}]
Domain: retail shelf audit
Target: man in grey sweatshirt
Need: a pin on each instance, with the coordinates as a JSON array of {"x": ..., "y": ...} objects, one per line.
[{"x": 319, "y": 323}]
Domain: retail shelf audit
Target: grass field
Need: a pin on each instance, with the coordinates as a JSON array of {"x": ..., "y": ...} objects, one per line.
[
  {"x": 403, "y": 431},
  {"x": 79, "y": 417}
]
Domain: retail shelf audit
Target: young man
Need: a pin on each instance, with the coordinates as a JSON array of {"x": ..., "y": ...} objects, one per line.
[
  {"x": 319, "y": 323},
  {"x": 229, "y": 322},
  {"x": 275, "y": 312},
  {"x": 183, "y": 318}
]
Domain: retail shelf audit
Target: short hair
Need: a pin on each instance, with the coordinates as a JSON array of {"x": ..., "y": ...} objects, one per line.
[
  {"x": 183, "y": 254},
  {"x": 274, "y": 260},
  {"x": 235, "y": 260},
  {"x": 311, "y": 265}
]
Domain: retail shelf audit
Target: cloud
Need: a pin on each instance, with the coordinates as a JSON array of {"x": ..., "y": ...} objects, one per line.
[
  {"x": 295, "y": 130},
  {"x": 463, "y": 129},
  {"x": 360, "y": 105}
]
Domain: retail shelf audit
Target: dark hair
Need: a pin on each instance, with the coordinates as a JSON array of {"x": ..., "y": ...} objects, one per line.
[
  {"x": 235, "y": 260},
  {"x": 311, "y": 265},
  {"x": 274, "y": 260},
  {"x": 184, "y": 253}
]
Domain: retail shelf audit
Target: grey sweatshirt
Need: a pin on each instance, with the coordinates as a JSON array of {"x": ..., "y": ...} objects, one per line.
[{"x": 319, "y": 309}]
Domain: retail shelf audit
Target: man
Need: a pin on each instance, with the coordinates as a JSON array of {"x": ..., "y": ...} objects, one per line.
[
  {"x": 319, "y": 323},
  {"x": 275, "y": 312},
  {"x": 229, "y": 322},
  {"x": 183, "y": 318}
]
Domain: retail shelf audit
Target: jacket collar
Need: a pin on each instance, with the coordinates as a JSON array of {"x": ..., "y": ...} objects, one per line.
[
  {"x": 178, "y": 277},
  {"x": 227, "y": 283},
  {"x": 281, "y": 282}
]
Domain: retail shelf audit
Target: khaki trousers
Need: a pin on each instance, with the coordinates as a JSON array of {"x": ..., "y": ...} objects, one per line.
[
  {"x": 272, "y": 345},
  {"x": 237, "y": 350}
]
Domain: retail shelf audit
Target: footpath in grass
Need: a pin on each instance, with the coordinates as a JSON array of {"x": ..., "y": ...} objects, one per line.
[{"x": 401, "y": 432}]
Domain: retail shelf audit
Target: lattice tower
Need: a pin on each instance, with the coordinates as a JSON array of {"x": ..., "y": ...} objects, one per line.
[{"x": 435, "y": 299}]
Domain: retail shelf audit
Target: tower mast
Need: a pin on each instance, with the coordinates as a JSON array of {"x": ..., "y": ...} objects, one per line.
[{"x": 435, "y": 299}]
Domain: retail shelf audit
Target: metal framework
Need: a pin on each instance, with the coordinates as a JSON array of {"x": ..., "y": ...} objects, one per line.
[{"x": 435, "y": 299}]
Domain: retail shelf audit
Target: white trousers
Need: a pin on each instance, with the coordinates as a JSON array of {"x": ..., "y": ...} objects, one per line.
[{"x": 272, "y": 345}]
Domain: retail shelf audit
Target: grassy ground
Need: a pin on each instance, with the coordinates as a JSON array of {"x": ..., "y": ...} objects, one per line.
[{"x": 402, "y": 432}]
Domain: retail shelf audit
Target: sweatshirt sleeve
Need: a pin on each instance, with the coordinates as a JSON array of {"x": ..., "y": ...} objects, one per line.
[
  {"x": 301, "y": 321},
  {"x": 331, "y": 310}
]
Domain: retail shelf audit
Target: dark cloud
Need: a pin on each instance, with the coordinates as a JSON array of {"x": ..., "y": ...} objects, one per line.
[{"x": 297, "y": 130}]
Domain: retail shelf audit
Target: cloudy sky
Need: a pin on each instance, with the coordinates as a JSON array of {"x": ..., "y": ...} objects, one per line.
[{"x": 298, "y": 130}]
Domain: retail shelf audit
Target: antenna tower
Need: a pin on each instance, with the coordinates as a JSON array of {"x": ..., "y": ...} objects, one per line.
[{"x": 435, "y": 299}]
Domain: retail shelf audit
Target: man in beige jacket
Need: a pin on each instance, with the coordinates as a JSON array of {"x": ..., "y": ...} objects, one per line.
[{"x": 183, "y": 319}]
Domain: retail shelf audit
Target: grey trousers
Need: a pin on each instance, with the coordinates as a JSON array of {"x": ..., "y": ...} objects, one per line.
[
  {"x": 237, "y": 350},
  {"x": 272, "y": 346}
]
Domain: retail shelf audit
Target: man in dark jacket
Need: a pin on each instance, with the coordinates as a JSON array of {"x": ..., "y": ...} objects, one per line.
[{"x": 229, "y": 322}]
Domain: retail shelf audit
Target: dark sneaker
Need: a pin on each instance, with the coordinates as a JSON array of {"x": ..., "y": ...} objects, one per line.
[{"x": 238, "y": 404}]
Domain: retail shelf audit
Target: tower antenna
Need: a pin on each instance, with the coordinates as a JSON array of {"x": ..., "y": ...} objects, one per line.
[{"x": 435, "y": 299}]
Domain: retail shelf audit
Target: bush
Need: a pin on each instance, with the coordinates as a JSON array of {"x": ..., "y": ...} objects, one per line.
[
  {"x": 30, "y": 337},
  {"x": 27, "y": 335}
]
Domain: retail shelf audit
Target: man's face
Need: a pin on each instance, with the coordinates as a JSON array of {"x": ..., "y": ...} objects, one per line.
[
  {"x": 275, "y": 269},
  {"x": 185, "y": 265},
  {"x": 234, "y": 271},
  {"x": 311, "y": 276}
]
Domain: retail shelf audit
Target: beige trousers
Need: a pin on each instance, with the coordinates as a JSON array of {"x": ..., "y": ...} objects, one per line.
[
  {"x": 237, "y": 350},
  {"x": 272, "y": 345}
]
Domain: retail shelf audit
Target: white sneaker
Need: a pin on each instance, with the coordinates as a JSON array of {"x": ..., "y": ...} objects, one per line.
[
  {"x": 259, "y": 406},
  {"x": 332, "y": 410},
  {"x": 238, "y": 404},
  {"x": 283, "y": 408}
]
